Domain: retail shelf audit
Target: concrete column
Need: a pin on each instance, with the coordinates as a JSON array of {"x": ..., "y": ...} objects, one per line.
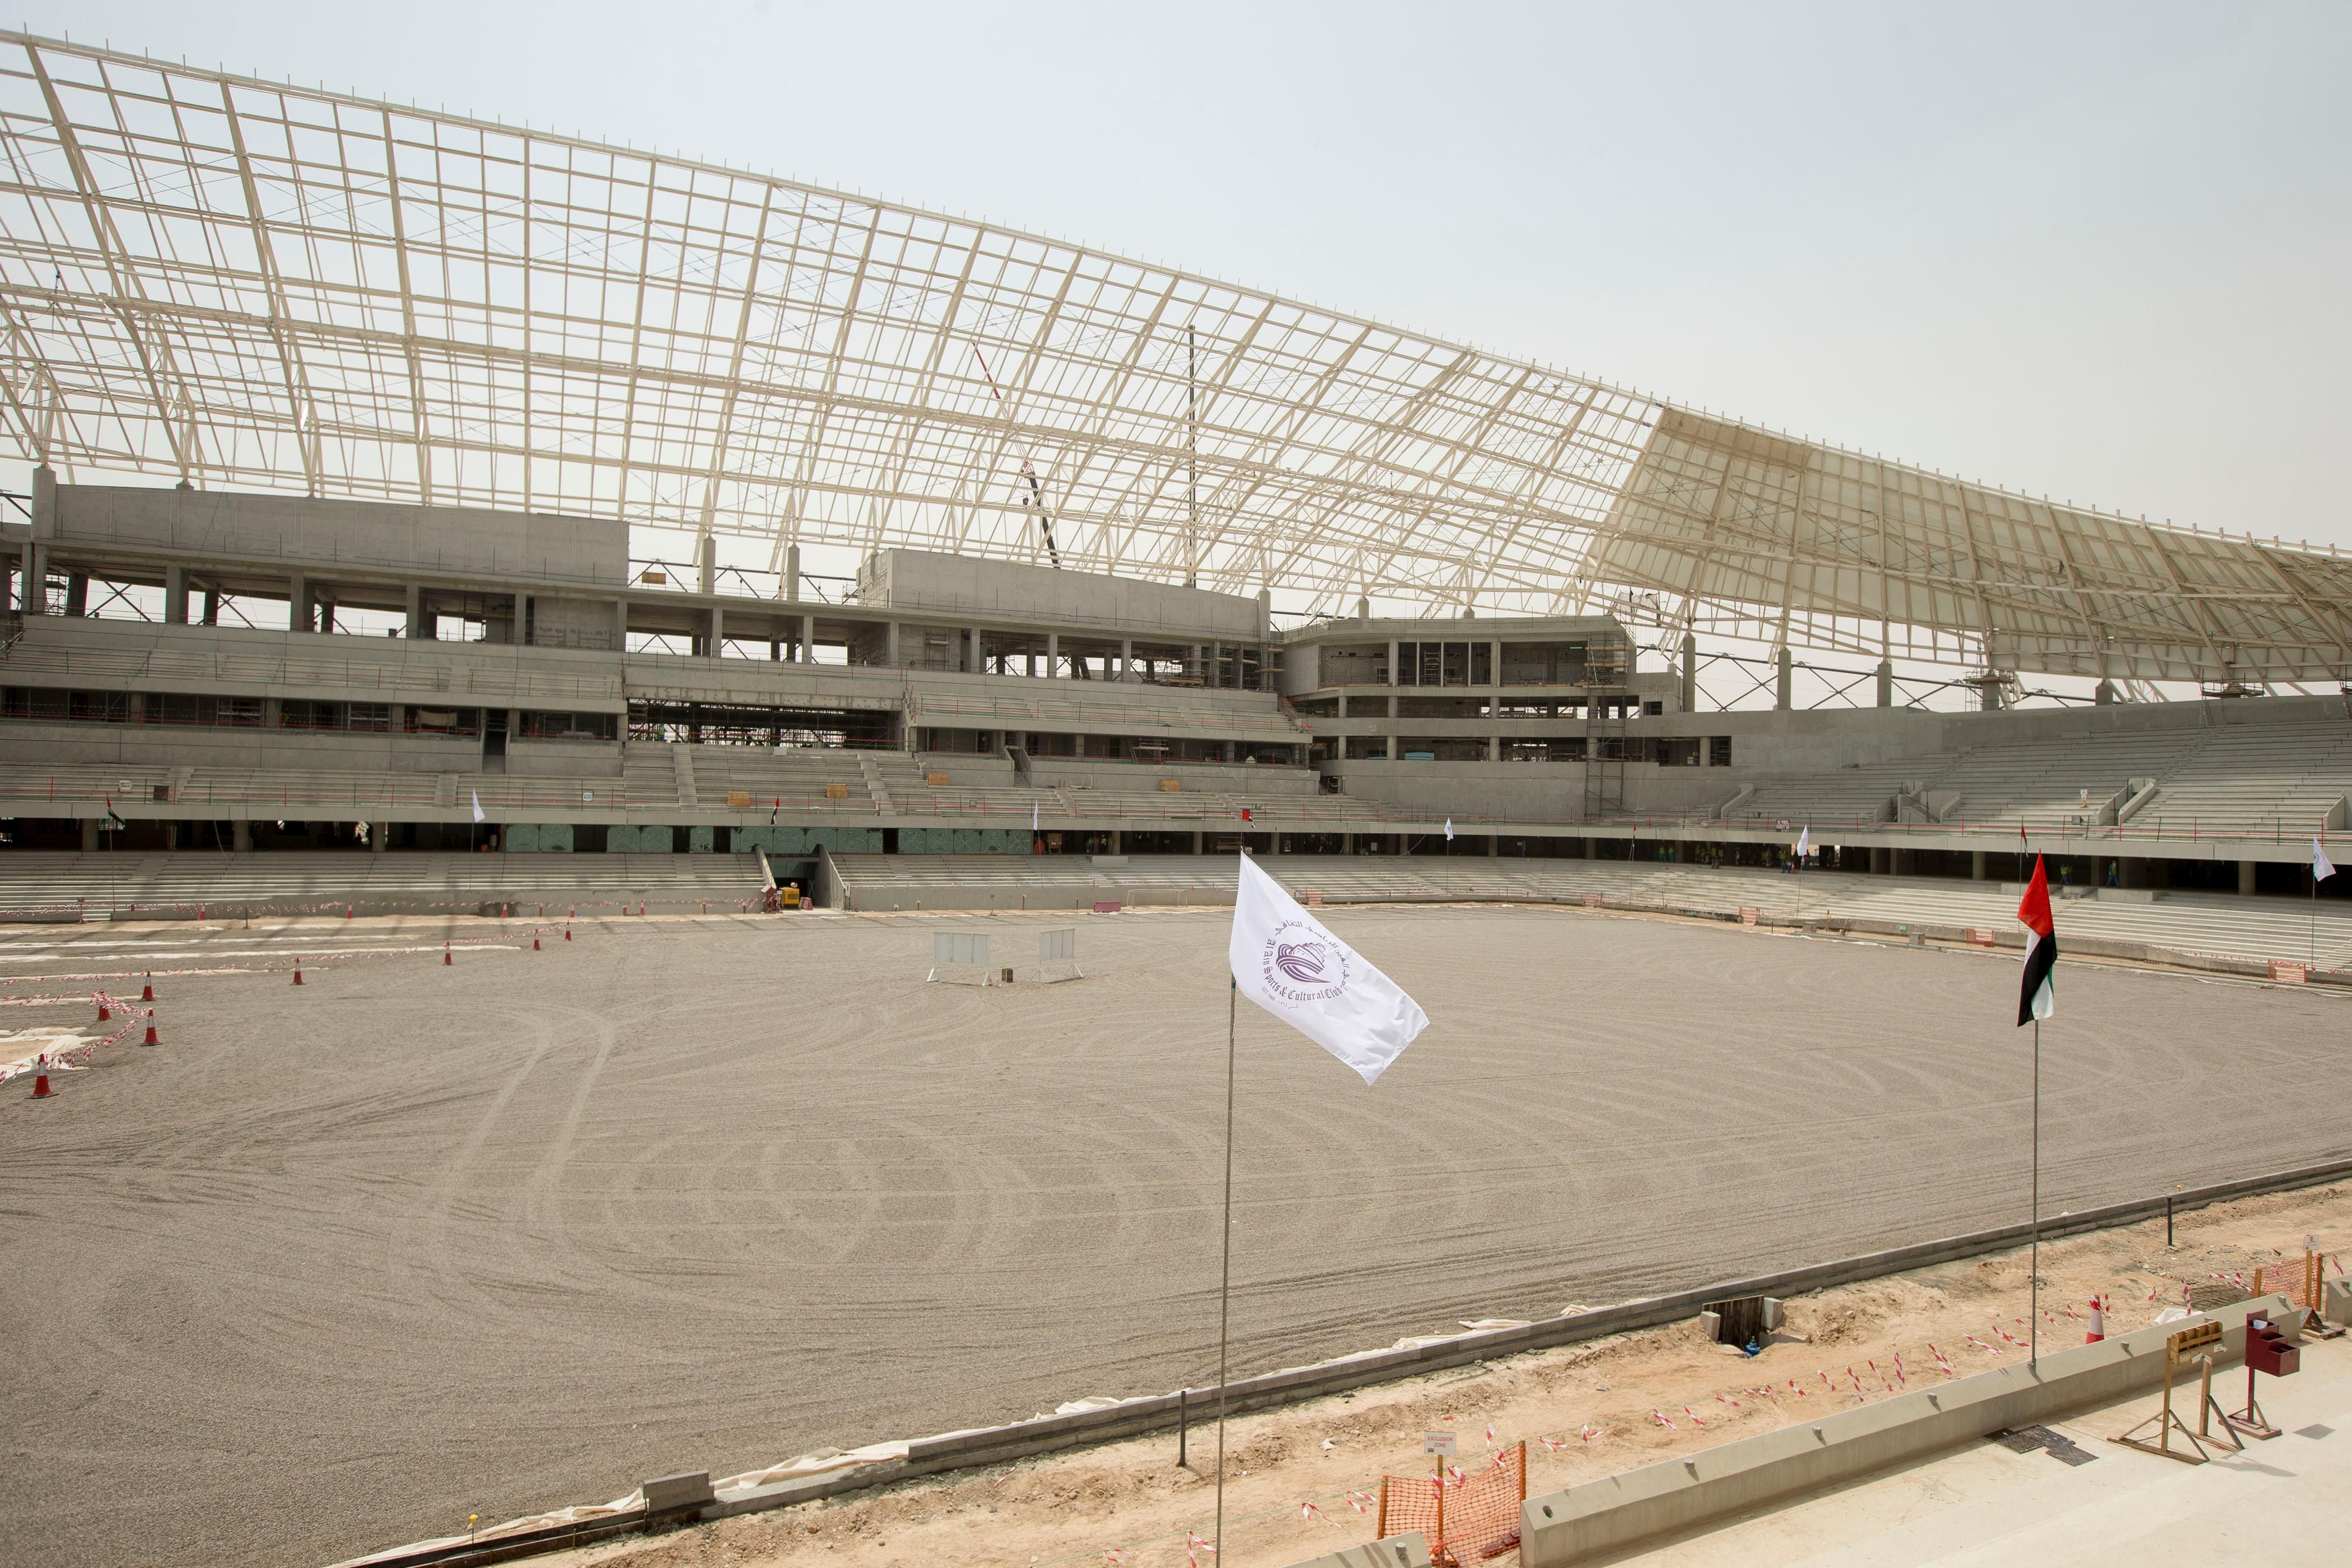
[
  {"x": 1885, "y": 683},
  {"x": 1196, "y": 844},
  {"x": 620, "y": 624},
  {"x": 33, "y": 593},
  {"x": 2106, "y": 694},
  {"x": 1879, "y": 861},
  {"x": 1343, "y": 706},
  {"x": 1976, "y": 864},
  {"x": 240, "y": 835},
  {"x": 808, "y": 639},
  {"x": 2131, "y": 873},
  {"x": 775, "y": 651},
  {"x": 212, "y": 606},
  {"x": 792, "y": 583},
  {"x": 1494, "y": 748},
  {"x": 1494, "y": 845},
  {"x": 175, "y": 596},
  {"x": 1195, "y": 668},
  {"x": 1393, "y": 665},
  {"x": 1053, "y": 653},
  {"x": 890, "y": 644},
  {"x": 2246, "y": 876},
  {"x": 377, "y": 833},
  {"x": 975, "y": 665},
  {"x": 718, "y": 631},
  {"x": 76, "y": 593},
  {"x": 1689, "y": 694},
  {"x": 1126, "y": 659},
  {"x": 298, "y": 604},
  {"x": 326, "y": 614},
  {"x": 706, "y": 564},
  {"x": 1216, "y": 664},
  {"x": 89, "y": 826},
  {"x": 1787, "y": 681}
]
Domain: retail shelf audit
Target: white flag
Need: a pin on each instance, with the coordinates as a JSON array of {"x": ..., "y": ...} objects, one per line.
[
  {"x": 2322, "y": 867},
  {"x": 1286, "y": 962},
  {"x": 1805, "y": 840},
  {"x": 1032, "y": 818},
  {"x": 1449, "y": 830},
  {"x": 478, "y": 806}
]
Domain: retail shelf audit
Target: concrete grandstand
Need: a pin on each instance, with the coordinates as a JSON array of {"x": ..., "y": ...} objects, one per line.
[{"x": 954, "y": 706}]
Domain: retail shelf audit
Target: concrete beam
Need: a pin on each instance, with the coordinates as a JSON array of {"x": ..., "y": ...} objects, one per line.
[{"x": 1579, "y": 1523}]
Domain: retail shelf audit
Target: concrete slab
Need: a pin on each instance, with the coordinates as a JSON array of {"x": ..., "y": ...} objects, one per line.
[{"x": 2281, "y": 1503}]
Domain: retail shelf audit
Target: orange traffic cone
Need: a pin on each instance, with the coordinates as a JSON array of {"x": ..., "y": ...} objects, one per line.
[
  {"x": 2098, "y": 1322},
  {"x": 147, "y": 992},
  {"x": 151, "y": 1030},
  {"x": 41, "y": 1079}
]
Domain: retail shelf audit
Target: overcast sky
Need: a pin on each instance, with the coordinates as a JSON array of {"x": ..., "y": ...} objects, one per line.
[{"x": 2096, "y": 252}]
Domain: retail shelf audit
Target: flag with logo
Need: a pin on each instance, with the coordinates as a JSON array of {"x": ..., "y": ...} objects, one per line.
[
  {"x": 1287, "y": 962},
  {"x": 2035, "y": 999}
]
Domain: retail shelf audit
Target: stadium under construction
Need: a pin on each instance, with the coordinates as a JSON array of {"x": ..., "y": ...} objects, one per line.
[{"x": 479, "y": 536}]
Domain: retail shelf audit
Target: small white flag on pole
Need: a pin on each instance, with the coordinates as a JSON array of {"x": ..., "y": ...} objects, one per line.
[
  {"x": 1449, "y": 830},
  {"x": 1032, "y": 818},
  {"x": 478, "y": 806},
  {"x": 1287, "y": 962},
  {"x": 2322, "y": 867},
  {"x": 1805, "y": 840}
]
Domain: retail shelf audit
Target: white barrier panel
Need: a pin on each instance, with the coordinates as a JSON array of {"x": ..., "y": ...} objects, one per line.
[
  {"x": 1057, "y": 946},
  {"x": 960, "y": 958},
  {"x": 957, "y": 948}
]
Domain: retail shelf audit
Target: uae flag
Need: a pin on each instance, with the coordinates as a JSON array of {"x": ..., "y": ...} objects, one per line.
[{"x": 2034, "y": 999}]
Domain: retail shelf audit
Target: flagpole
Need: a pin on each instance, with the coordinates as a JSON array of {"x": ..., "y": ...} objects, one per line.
[
  {"x": 1225, "y": 1280},
  {"x": 2033, "y": 1310}
]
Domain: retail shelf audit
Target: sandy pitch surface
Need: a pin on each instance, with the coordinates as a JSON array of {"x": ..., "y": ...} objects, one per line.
[{"x": 336, "y": 1268}]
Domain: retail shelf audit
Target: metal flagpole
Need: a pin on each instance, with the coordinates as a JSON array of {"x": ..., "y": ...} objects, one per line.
[
  {"x": 2034, "y": 1320},
  {"x": 1225, "y": 1281}
]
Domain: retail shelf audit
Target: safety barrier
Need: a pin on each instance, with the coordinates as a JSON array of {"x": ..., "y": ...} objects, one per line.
[{"x": 1467, "y": 1518}]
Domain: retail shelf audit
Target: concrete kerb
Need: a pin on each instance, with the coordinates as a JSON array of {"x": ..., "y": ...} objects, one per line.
[
  {"x": 1138, "y": 1417},
  {"x": 1602, "y": 1516}
]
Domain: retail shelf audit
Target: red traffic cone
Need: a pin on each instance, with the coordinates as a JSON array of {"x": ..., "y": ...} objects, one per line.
[
  {"x": 147, "y": 992},
  {"x": 41, "y": 1090},
  {"x": 567, "y": 934},
  {"x": 347, "y": 912},
  {"x": 103, "y": 1014},
  {"x": 445, "y": 952},
  {"x": 2098, "y": 1322},
  {"x": 151, "y": 1031},
  {"x": 534, "y": 945},
  {"x": 298, "y": 972}
]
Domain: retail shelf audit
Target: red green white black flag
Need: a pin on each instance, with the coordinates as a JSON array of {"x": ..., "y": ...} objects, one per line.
[{"x": 2035, "y": 999}]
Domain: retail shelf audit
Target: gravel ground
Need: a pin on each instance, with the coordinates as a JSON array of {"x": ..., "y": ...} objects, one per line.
[{"x": 335, "y": 1267}]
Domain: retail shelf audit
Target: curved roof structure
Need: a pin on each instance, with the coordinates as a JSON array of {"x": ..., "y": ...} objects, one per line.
[{"x": 242, "y": 283}]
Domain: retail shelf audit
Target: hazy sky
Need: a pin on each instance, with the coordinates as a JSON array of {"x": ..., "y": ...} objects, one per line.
[{"x": 2096, "y": 252}]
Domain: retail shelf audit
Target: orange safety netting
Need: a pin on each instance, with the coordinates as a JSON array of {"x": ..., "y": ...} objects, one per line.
[{"x": 1467, "y": 1518}]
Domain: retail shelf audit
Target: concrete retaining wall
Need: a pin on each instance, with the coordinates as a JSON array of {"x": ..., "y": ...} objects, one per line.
[{"x": 1581, "y": 1522}]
